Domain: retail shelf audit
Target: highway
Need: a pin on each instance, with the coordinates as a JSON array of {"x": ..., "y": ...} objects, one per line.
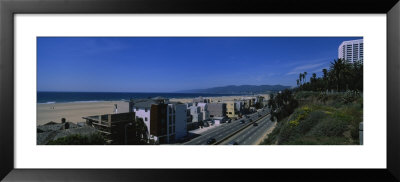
[
  {"x": 226, "y": 129},
  {"x": 252, "y": 134}
]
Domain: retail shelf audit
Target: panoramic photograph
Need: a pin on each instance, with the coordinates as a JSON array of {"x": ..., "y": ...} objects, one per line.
[{"x": 199, "y": 91}]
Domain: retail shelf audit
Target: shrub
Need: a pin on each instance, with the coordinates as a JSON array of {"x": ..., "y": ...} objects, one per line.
[
  {"x": 322, "y": 97},
  {"x": 306, "y": 109},
  {"x": 308, "y": 123},
  {"x": 94, "y": 139},
  {"x": 286, "y": 133},
  {"x": 350, "y": 96},
  {"x": 355, "y": 114},
  {"x": 304, "y": 94},
  {"x": 330, "y": 127},
  {"x": 294, "y": 123},
  {"x": 282, "y": 105},
  {"x": 319, "y": 141}
]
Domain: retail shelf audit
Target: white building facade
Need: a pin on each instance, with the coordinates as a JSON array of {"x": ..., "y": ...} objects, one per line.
[
  {"x": 143, "y": 111},
  {"x": 195, "y": 111},
  {"x": 176, "y": 118},
  {"x": 180, "y": 120},
  {"x": 204, "y": 111},
  {"x": 352, "y": 50}
]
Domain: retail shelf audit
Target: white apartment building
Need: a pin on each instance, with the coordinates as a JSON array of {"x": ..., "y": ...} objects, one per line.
[
  {"x": 179, "y": 118},
  {"x": 204, "y": 110},
  {"x": 195, "y": 111},
  {"x": 142, "y": 110},
  {"x": 239, "y": 105},
  {"x": 176, "y": 117},
  {"x": 352, "y": 50}
]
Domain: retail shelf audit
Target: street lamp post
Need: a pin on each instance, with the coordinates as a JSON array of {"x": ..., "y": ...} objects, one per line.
[{"x": 126, "y": 138}]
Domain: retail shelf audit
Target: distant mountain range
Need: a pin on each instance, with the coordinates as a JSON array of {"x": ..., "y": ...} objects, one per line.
[{"x": 241, "y": 89}]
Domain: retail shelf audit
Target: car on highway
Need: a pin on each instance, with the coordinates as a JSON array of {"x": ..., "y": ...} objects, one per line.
[
  {"x": 259, "y": 115},
  {"x": 255, "y": 124},
  {"x": 211, "y": 141},
  {"x": 242, "y": 121},
  {"x": 250, "y": 120}
]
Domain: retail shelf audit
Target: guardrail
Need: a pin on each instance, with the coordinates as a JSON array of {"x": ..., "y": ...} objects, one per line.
[{"x": 239, "y": 130}]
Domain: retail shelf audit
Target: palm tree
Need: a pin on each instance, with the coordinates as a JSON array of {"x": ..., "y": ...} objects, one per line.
[
  {"x": 304, "y": 76},
  {"x": 297, "y": 82},
  {"x": 300, "y": 77},
  {"x": 325, "y": 72},
  {"x": 325, "y": 79},
  {"x": 314, "y": 77},
  {"x": 338, "y": 68}
]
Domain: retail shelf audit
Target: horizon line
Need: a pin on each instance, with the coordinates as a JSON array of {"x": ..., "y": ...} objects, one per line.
[{"x": 177, "y": 91}]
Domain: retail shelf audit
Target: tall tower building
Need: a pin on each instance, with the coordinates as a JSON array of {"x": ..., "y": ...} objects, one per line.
[{"x": 352, "y": 50}]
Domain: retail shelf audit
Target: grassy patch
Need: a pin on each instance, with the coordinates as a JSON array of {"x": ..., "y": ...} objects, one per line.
[
  {"x": 331, "y": 122},
  {"x": 319, "y": 141}
]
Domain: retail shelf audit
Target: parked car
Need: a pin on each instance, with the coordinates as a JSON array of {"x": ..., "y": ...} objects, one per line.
[{"x": 211, "y": 141}]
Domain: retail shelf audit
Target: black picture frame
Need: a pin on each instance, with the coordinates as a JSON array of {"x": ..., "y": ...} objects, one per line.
[{"x": 8, "y": 8}]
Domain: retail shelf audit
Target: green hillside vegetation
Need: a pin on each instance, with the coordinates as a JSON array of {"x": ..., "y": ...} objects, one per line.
[
  {"x": 334, "y": 121},
  {"x": 323, "y": 111}
]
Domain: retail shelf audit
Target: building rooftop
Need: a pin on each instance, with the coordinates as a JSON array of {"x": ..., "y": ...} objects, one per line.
[{"x": 357, "y": 41}]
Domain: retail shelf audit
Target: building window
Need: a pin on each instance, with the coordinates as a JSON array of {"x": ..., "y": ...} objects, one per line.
[
  {"x": 145, "y": 119},
  {"x": 145, "y": 110}
]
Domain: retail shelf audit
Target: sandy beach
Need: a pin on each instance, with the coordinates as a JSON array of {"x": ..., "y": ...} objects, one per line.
[{"x": 74, "y": 111}]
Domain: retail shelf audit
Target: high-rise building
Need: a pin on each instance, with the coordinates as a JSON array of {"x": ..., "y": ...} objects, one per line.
[{"x": 352, "y": 50}]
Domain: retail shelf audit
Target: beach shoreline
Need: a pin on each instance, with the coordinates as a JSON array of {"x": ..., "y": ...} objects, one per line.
[{"x": 74, "y": 111}]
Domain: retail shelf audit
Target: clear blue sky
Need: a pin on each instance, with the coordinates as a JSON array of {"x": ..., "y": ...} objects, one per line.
[{"x": 167, "y": 64}]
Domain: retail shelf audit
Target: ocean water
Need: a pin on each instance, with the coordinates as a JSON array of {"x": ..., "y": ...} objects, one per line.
[{"x": 62, "y": 97}]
